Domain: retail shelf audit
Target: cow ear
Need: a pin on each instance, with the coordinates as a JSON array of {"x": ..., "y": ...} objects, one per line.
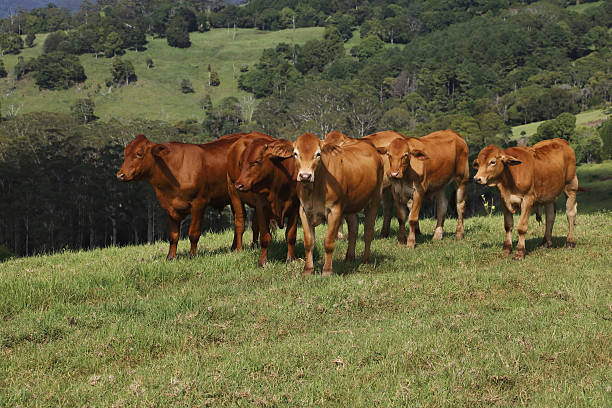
[
  {"x": 418, "y": 154},
  {"x": 159, "y": 150},
  {"x": 381, "y": 150},
  {"x": 510, "y": 161},
  {"x": 475, "y": 164},
  {"x": 282, "y": 149}
]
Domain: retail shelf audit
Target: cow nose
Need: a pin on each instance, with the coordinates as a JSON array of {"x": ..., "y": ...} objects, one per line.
[
  {"x": 478, "y": 179},
  {"x": 240, "y": 187},
  {"x": 305, "y": 176},
  {"x": 395, "y": 174},
  {"x": 121, "y": 176}
]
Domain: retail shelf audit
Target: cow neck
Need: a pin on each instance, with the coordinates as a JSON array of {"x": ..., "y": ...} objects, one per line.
[
  {"x": 162, "y": 177},
  {"x": 317, "y": 188},
  {"x": 506, "y": 184}
]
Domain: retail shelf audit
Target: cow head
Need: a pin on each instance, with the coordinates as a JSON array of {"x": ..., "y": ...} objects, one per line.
[
  {"x": 257, "y": 161},
  {"x": 490, "y": 165},
  {"x": 335, "y": 138},
  {"x": 404, "y": 154},
  {"x": 139, "y": 158}
]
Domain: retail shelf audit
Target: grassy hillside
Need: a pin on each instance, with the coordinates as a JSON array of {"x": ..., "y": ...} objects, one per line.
[
  {"x": 586, "y": 119},
  {"x": 156, "y": 94},
  {"x": 597, "y": 178},
  {"x": 451, "y": 323}
]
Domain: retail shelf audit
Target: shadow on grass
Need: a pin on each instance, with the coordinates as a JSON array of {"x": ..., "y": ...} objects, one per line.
[{"x": 531, "y": 244}]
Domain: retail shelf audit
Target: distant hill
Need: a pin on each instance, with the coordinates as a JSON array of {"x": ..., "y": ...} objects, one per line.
[{"x": 8, "y": 7}]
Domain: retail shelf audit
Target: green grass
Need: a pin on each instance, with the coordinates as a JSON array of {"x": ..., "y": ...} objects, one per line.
[
  {"x": 156, "y": 95},
  {"x": 451, "y": 323},
  {"x": 597, "y": 178},
  {"x": 585, "y": 119},
  {"x": 581, "y": 8}
]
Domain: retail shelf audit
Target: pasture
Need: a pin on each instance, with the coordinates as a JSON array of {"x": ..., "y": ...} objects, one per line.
[
  {"x": 583, "y": 119},
  {"x": 157, "y": 94},
  {"x": 451, "y": 323}
]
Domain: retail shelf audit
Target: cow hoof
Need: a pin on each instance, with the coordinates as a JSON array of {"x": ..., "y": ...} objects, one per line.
[
  {"x": 290, "y": 259},
  {"x": 261, "y": 264},
  {"x": 507, "y": 249},
  {"x": 349, "y": 258},
  {"x": 459, "y": 235},
  {"x": 326, "y": 272},
  {"x": 307, "y": 271},
  {"x": 437, "y": 237},
  {"x": 366, "y": 260},
  {"x": 384, "y": 233},
  {"x": 547, "y": 244},
  {"x": 410, "y": 245},
  {"x": 570, "y": 244},
  {"x": 170, "y": 258},
  {"x": 520, "y": 254}
]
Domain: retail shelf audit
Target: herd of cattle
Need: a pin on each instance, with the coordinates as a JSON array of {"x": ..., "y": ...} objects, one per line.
[{"x": 333, "y": 179}]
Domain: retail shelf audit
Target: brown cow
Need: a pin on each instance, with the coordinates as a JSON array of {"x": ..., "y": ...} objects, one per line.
[
  {"x": 333, "y": 181},
  {"x": 379, "y": 139},
  {"x": 186, "y": 178},
  {"x": 420, "y": 167},
  {"x": 267, "y": 183},
  {"x": 531, "y": 176}
]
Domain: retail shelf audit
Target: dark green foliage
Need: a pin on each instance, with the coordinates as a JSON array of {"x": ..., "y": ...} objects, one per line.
[
  {"x": 58, "y": 70},
  {"x": 214, "y": 79},
  {"x": 177, "y": 33},
  {"x": 30, "y": 38},
  {"x": 123, "y": 72},
  {"x": 113, "y": 45},
  {"x": 186, "y": 86},
  {"x": 3, "y": 73},
  {"x": 563, "y": 126},
  {"x": 53, "y": 41},
  {"x": 605, "y": 133},
  {"x": 587, "y": 145},
  {"x": 224, "y": 118},
  {"x": 83, "y": 110},
  {"x": 10, "y": 43}
]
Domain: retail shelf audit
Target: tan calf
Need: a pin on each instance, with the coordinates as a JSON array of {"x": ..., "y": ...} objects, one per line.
[
  {"x": 334, "y": 181},
  {"x": 424, "y": 167},
  {"x": 531, "y": 176}
]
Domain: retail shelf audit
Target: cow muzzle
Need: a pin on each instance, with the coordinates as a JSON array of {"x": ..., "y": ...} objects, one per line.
[
  {"x": 479, "y": 180},
  {"x": 305, "y": 178},
  {"x": 121, "y": 176},
  {"x": 395, "y": 174},
  {"x": 241, "y": 186}
]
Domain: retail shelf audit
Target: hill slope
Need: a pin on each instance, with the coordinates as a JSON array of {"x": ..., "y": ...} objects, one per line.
[
  {"x": 156, "y": 94},
  {"x": 447, "y": 324}
]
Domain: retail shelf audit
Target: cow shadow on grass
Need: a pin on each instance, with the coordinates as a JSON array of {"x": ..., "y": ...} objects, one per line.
[{"x": 531, "y": 244}]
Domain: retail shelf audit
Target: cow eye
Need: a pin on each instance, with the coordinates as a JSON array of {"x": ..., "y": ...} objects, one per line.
[
  {"x": 405, "y": 156},
  {"x": 492, "y": 163},
  {"x": 317, "y": 154},
  {"x": 295, "y": 154},
  {"x": 139, "y": 154}
]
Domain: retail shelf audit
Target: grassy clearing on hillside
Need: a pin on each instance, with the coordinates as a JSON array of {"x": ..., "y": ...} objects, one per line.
[
  {"x": 451, "y": 323},
  {"x": 597, "y": 178},
  {"x": 582, "y": 119},
  {"x": 156, "y": 95},
  {"x": 581, "y": 8}
]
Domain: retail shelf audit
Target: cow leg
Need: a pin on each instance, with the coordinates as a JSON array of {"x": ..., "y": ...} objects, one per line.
[
  {"x": 291, "y": 233},
  {"x": 571, "y": 209},
  {"x": 522, "y": 228},
  {"x": 508, "y": 225},
  {"x": 441, "y": 207},
  {"x": 263, "y": 221},
  {"x": 340, "y": 233},
  {"x": 413, "y": 217},
  {"x": 255, "y": 229},
  {"x": 334, "y": 218},
  {"x": 460, "y": 209},
  {"x": 352, "y": 226},
  {"x": 368, "y": 228},
  {"x": 550, "y": 220},
  {"x": 387, "y": 202},
  {"x": 238, "y": 210},
  {"x": 309, "y": 236},
  {"x": 195, "y": 229},
  {"x": 401, "y": 219},
  {"x": 174, "y": 227},
  {"x": 417, "y": 230}
]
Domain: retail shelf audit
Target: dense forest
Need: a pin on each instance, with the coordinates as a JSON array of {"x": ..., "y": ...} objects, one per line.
[{"x": 478, "y": 67}]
